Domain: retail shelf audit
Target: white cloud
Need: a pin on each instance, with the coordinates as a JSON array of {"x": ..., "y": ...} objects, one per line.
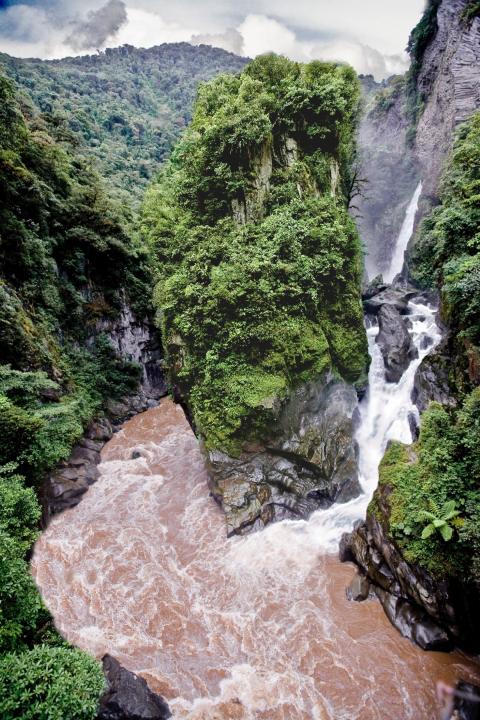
[
  {"x": 364, "y": 59},
  {"x": 230, "y": 40},
  {"x": 263, "y": 34},
  {"x": 145, "y": 29},
  {"x": 98, "y": 27},
  {"x": 28, "y": 30}
]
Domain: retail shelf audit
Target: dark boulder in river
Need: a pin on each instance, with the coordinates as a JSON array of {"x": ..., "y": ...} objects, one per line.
[
  {"x": 128, "y": 696},
  {"x": 395, "y": 343},
  {"x": 467, "y": 702}
]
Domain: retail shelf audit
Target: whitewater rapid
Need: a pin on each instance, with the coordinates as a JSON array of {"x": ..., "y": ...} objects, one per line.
[
  {"x": 246, "y": 628},
  {"x": 384, "y": 415}
]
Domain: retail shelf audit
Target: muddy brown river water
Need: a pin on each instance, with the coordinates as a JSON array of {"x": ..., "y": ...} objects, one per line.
[{"x": 255, "y": 627}]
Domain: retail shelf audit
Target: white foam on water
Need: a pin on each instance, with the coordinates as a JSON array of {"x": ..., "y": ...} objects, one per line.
[{"x": 247, "y": 628}]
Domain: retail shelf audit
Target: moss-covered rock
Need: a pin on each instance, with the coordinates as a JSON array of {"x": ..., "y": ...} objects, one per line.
[{"x": 258, "y": 261}]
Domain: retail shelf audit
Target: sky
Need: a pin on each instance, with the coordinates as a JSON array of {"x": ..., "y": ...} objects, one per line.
[{"x": 371, "y": 35}]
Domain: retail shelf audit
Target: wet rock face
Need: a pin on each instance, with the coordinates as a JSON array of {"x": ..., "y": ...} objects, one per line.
[
  {"x": 377, "y": 296},
  {"x": 388, "y": 165},
  {"x": 395, "y": 343},
  {"x": 435, "y": 615},
  {"x": 68, "y": 483},
  {"x": 136, "y": 340},
  {"x": 467, "y": 702},
  {"x": 359, "y": 588},
  {"x": 431, "y": 379},
  {"x": 128, "y": 696},
  {"x": 310, "y": 463},
  {"x": 448, "y": 80},
  {"x": 413, "y": 622}
]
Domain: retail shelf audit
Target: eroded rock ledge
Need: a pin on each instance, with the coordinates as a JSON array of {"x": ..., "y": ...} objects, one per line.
[
  {"x": 128, "y": 697},
  {"x": 435, "y": 615},
  {"x": 311, "y": 461}
]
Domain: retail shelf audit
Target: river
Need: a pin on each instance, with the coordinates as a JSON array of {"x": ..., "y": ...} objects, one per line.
[{"x": 246, "y": 628}]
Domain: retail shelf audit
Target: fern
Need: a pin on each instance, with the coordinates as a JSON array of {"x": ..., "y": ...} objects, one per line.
[{"x": 438, "y": 520}]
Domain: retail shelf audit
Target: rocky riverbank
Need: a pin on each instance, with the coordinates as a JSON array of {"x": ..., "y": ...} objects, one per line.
[{"x": 310, "y": 462}]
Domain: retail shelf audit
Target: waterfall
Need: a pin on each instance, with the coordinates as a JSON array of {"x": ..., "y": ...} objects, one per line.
[
  {"x": 384, "y": 416},
  {"x": 247, "y": 627},
  {"x": 396, "y": 263}
]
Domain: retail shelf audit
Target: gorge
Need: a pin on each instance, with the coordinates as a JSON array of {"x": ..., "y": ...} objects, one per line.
[
  {"x": 292, "y": 532},
  {"x": 247, "y": 627}
]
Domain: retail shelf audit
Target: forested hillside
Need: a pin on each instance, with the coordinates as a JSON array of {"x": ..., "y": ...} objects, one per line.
[
  {"x": 125, "y": 107},
  {"x": 65, "y": 263}
]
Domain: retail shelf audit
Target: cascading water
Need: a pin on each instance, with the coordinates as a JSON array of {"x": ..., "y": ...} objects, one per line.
[
  {"x": 396, "y": 263},
  {"x": 384, "y": 416},
  {"x": 251, "y": 628}
]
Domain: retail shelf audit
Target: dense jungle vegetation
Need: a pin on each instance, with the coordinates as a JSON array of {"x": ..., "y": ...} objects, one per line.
[
  {"x": 124, "y": 107},
  {"x": 64, "y": 257},
  {"x": 444, "y": 480},
  {"x": 258, "y": 261}
]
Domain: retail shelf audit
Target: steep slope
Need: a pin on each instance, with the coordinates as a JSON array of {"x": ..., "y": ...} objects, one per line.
[
  {"x": 388, "y": 170},
  {"x": 420, "y": 543},
  {"x": 408, "y": 128},
  {"x": 258, "y": 292},
  {"x": 74, "y": 303},
  {"x": 447, "y": 86},
  {"x": 126, "y": 106}
]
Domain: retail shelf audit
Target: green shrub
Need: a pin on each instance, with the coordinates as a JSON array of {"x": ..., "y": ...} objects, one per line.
[
  {"x": 438, "y": 479},
  {"x": 50, "y": 684},
  {"x": 19, "y": 509},
  {"x": 18, "y": 429},
  {"x": 251, "y": 307},
  {"x": 20, "y": 603}
]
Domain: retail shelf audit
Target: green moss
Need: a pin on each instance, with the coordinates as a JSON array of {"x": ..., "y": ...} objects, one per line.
[
  {"x": 471, "y": 11},
  {"x": 442, "y": 466},
  {"x": 447, "y": 253},
  {"x": 250, "y": 308}
]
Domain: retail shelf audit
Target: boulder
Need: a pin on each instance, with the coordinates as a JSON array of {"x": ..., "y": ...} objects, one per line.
[
  {"x": 310, "y": 461},
  {"x": 128, "y": 696},
  {"x": 395, "y": 343},
  {"x": 374, "y": 287},
  {"x": 391, "y": 297},
  {"x": 467, "y": 701},
  {"x": 99, "y": 429},
  {"x": 431, "y": 379},
  {"x": 359, "y": 588}
]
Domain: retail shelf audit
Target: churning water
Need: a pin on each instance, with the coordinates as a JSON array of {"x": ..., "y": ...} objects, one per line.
[
  {"x": 251, "y": 628},
  {"x": 243, "y": 628}
]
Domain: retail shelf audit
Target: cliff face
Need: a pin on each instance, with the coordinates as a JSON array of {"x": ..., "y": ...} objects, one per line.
[
  {"x": 447, "y": 89},
  {"x": 390, "y": 172},
  {"x": 259, "y": 286},
  {"x": 434, "y": 609},
  {"x": 449, "y": 83}
]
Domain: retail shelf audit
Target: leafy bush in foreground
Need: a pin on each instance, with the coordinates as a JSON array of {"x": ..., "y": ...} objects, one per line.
[{"x": 49, "y": 684}]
